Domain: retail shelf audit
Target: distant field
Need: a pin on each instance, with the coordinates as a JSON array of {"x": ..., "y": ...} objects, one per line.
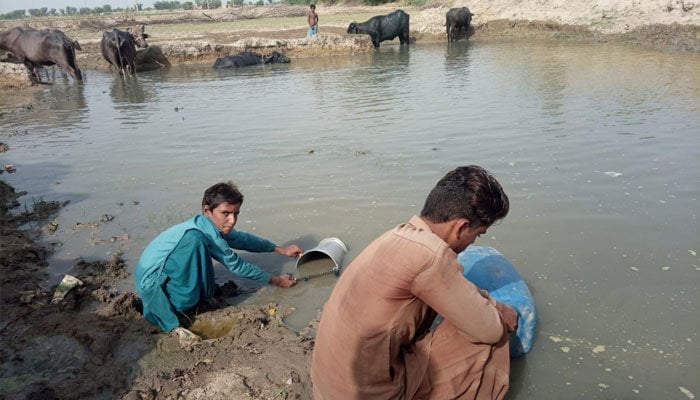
[{"x": 166, "y": 25}]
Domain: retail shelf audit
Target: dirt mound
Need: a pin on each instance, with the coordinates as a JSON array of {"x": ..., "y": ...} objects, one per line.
[
  {"x": 249, "y": 353},
  {"x": 14, "y": 76},
  {"x": 674, "y": 36}
]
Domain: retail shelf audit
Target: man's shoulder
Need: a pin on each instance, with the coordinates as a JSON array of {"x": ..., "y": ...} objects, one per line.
[{"x": 417, "y": 232}]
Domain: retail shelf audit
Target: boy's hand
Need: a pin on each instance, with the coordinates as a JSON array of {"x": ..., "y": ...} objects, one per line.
[
  {"x": 283, "y": 281},
  {"x": 290, "y": 251}
]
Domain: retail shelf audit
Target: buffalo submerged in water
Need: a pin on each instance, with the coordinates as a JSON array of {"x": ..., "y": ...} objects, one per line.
[
  {"x": 384, "y": 27},
  {"x": 249, "y": 58}
]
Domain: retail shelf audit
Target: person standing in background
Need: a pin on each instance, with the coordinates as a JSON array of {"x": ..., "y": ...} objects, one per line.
[{"x": 313, "y": 21}]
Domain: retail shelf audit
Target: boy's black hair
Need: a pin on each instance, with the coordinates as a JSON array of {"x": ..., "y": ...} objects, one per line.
[{"x": 222, "y": 192}]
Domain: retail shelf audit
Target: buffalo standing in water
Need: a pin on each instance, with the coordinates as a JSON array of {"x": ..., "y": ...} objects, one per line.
[
  {"x": 119, "y": 48},
  {"x": 384, "y": 27},
  {"x": 456, "y": 20},
  {"x": 249, "y": 58},
  {"x": 34, "y": 48}
]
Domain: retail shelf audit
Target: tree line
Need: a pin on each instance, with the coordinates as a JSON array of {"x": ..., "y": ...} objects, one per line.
[
  {"x": 68, "y": 11},
  {"x": 203, "y": 4},
  {"x": 158, "y": 5}
]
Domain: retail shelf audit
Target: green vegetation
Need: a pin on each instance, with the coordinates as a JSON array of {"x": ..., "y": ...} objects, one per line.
[
  {"x": 298, "y": 2},
  {"x": 46, "y": 12},
  {"x": 170, "y": 5},
  {"x": 207, "y": 4},
  {"x": 158, "y": 5},
  {"x": 16, "y": 14},
  {"x": 187, "y": 5}
]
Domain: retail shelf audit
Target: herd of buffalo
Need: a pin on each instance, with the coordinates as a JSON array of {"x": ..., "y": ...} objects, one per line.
[{"x": 38, "y": 47}]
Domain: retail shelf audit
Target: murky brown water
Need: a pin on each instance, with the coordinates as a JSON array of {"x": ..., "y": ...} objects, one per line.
[
  {"x": 597, "y": 146},
  {"x": 212, "y": 329}
]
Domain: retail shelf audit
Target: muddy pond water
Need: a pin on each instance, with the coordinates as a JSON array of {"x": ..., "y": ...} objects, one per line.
[{"x": 597, "y": 145}]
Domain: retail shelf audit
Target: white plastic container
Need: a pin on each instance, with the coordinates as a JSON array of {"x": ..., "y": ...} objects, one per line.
[{"x": 331, "y": 247}]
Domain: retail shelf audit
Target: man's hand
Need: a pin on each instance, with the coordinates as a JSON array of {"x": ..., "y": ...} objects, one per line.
[
  {"x": 283, "y": 281},
  {"x": 290, "y": 251},
  {"x": 508, "y": 316}
]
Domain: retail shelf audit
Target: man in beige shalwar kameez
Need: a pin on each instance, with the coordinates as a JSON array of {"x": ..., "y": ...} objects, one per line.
[{"x": 374, "y": 340}]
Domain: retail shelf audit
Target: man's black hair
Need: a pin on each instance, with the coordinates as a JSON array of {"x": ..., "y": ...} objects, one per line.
[{"x": 468, "y": 192}]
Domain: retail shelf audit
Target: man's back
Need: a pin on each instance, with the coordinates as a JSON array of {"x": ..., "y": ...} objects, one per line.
[{"x": 372, "y": 316}]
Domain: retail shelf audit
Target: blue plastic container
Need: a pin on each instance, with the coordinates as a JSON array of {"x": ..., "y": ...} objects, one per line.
[{"x": 490, "y": 270}]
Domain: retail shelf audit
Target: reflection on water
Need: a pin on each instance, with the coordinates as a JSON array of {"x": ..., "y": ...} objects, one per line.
[
  {"x": 595, "y": 144},
  {"x": 457, "y": 58},
  {"x": 61, "y": 105},
  {"x": 382, "y": 81},
  {"x": 129, "y": 90},
  {"x": 132, "y": 97}
]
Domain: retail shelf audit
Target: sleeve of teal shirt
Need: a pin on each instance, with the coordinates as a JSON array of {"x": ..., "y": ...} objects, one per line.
[
  {"x": 223, "y": 253},
  {"x": 249, "y": 242}
]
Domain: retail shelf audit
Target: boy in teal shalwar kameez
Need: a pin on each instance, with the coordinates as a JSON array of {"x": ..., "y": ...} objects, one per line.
[{"x": 175, "y": 271}]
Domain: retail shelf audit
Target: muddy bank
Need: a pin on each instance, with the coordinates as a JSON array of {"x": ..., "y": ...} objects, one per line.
[
  {"x": 208, "y": 50},
  {"x": 334, "y": 40},
  {"x": 14, "y": 75},
  {"x": 200, "y": 36},
  {"x": 95, "y": 343}
]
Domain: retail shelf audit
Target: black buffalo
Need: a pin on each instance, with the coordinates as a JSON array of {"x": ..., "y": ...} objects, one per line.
[
  {"x": 384, "y": 27},
  {"x": 65, "y": 37},
  {"x": 151, "y": 58},
  {"x": 119, "y": 48},
  {"x": 456, "y": 20},
  {"x": 249, "y": 58},
  {"x": 35, "y": 48}
]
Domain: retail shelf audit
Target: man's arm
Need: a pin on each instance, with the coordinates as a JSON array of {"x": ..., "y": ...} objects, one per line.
[
  {"x": 450, "y": 294},
  {"x": 508, "y": 315}
]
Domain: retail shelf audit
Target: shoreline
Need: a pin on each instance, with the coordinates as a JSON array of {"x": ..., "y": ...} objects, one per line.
[{"x": 198, "y": 36}]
